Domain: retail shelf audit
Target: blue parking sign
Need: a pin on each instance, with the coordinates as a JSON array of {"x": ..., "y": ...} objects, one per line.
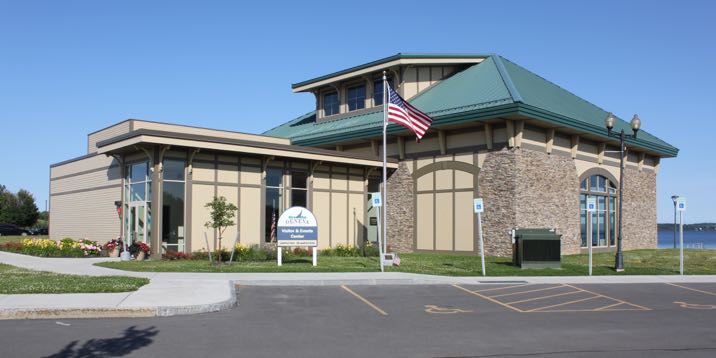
[
  {"x": 376, "y": 200},
  {"x": 478, "y": 205}
]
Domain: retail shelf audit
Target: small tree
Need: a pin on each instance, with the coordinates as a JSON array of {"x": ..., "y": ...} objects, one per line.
[{"x": 222, "y": 216}]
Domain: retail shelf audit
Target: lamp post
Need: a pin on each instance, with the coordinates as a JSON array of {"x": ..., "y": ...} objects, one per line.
[
  {"x": 674, "y": 198},
  {"x": 635, "y": 125}
]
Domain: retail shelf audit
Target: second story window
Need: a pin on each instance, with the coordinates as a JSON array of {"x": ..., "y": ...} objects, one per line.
[
  {"x": 356, "y": 98},
  {"x": 331, "y": 105},
  {"x": 378, "y": 91}
]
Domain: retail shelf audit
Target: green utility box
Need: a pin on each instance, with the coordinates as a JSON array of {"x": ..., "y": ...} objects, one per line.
[{"x": 537, "y": 248}]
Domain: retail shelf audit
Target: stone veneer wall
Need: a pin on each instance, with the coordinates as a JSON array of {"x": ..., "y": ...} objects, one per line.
[
  {"x": 528, "y": 189},
  {"x": 497, "y": 186},
  {"x": 548, "y": 195},
  {"x": 639, "y": 228},
  {"x": 400, "y": 210}
]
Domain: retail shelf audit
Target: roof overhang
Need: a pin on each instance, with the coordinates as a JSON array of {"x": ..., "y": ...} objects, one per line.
[
  {"x": 385, "y": 63},
  {"x": 128, "y": 142}
]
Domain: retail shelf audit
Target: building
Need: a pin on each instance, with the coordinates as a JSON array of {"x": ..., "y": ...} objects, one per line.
[{"x": 531, "y": 149}]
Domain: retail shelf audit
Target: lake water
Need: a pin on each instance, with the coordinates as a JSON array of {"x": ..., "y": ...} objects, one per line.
[{"x": 692, "y": 239}]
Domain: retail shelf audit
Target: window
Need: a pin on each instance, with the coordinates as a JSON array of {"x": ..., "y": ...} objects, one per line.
[
  {"x": 274, "y": 201},
  {"x": 603, "y": 228},
  {"x": 173, "y": 204},
  {"x": 299, "y": 189},
  {"x": 378, "y": 91},
  {"x": 356, "y": 98},
  {"x": 331, "y": 105}
]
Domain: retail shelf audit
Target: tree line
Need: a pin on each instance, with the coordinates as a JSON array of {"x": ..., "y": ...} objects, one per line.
[{"x": 18, "y": 208}]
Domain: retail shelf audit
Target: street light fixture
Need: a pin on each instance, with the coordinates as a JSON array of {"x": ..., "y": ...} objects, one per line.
[{"x": 635, "y": 126}]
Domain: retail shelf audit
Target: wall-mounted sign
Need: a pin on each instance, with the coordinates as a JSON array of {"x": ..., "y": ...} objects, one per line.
[{"x": 297, "y": 227}]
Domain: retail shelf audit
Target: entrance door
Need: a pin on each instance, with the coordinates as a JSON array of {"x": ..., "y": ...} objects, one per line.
[
  {"x": 137, "y": 222},
  {"x": 372, "y": 225}
]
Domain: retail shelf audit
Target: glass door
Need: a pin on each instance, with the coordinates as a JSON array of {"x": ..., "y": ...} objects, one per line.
[{"x": 137, "y": 222}]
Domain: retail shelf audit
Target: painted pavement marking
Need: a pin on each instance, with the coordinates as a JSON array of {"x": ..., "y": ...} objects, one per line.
[
  {"x": 370, "y": 304},
  {"x": 692, "y": 289},
  {"x": 695, "y": 306},
  {"x": 614, "y": 304},
  {"x": 432, "y": 309}
]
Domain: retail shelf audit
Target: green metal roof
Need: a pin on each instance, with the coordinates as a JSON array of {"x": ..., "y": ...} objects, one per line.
[{"x": 495, "y": 87}]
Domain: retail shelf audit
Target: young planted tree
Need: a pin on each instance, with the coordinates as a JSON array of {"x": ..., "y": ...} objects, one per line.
[{"x": 222, "y": 217}]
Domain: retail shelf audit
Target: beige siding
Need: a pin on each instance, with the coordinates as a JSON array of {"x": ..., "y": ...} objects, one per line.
[
  {"x": 464, "y": 222},
  {"x": 250, "y": 216},
  {"x": 356, "y": 209},
  {"x": 204, "y": 171},
  {"x": 339, "y": 219},
  {"x": 113, "y": 131},
  {"x": 443, "y": 220},
  {"x": 201, "y": 194},
  {"x": 322, "y": 212},
  {"x": 231, "y": 193},
  {"x": 82, "y": 196},
  {"x": 425, "y": 222},
  {"x": 208, "y": 132}
]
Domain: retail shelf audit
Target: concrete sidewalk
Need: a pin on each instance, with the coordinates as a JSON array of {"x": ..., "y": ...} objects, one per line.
[{"x": 175, "y": 293}]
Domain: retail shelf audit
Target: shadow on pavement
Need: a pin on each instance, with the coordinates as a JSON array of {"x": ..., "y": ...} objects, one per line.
[{"x": 131, "y": 340}]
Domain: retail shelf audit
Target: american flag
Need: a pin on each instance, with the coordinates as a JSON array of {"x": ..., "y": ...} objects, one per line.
[
  {"x": 273, "y": 226},
  {"x": 403, "y": 113}
]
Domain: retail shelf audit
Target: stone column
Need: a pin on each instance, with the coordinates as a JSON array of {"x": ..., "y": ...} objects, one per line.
[{"x": 401, "y": 210}]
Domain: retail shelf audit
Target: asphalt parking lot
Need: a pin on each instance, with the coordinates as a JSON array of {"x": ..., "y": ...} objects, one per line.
[{"x": 510, "y": 319}]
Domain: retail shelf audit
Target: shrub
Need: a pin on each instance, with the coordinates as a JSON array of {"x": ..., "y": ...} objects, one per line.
[
  {"x": 89, "y": 248},
  {"x": 370, "y": 250},
  {"x": 113, "y": 244},
  {"x": 177, "y": 255},
  {"x": 341, "y": 250},
  {"x": 253, "y": 253}
]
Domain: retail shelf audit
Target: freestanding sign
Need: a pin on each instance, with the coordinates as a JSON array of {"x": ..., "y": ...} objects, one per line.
[
  {"x": 681, "y": 208},
  {"x": 377, "y": 201},
  {"x": 591, "y": 208},
  {"x": 479, "y": 206},
  {"x": 297, "y": 227}
]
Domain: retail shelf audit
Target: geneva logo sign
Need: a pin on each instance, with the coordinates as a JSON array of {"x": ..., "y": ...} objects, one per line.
[{"x": 297, "y": 227}]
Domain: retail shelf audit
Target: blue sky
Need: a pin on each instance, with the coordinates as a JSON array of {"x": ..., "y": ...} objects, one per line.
[{"x": 71, "y": 67}]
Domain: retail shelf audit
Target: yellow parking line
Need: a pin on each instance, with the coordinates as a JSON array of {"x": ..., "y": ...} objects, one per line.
[
  {"x": 610, "y": 298},
  {"x": 537, "y": 290},
  {"x": 563, "y": 304},
  {"x": 365, "y": 301},
  {"x": 542, "y": 297},
  {"x": 487, "y": 298},
  {"x": 692, "y": 289},
  {"x": 504, "y": 288}
]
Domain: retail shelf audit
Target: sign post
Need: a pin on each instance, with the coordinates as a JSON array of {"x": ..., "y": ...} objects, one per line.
[
  {"x": 591, "y": 208},
  {"x": 681, "y": 208},
  {"x": 297, "y": 227},
  {"x": 377, "y": 201},
  {"x": 479, "y": 208}
]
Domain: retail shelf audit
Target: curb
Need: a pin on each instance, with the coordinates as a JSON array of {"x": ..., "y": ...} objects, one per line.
[{"x": 119, "y": 312}]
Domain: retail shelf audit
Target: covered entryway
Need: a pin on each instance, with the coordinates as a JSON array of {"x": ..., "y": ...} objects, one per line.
[{"x": 444, "y": 219}]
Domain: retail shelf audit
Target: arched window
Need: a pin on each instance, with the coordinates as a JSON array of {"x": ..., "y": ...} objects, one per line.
[{"x": 604, "y": 221}]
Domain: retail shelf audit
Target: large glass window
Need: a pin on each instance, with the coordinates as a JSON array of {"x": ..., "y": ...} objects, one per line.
[
  {"x": 274, "y": 201},
  {"x": 173, "y": 205},
  {"x": 356, "y": 98},
  {"x": 603, "y": 221},
  {"x": 331, "y": 104}
]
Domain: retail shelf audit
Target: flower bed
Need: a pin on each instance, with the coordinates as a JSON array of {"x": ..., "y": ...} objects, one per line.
[{"x": 66, "y": 247}]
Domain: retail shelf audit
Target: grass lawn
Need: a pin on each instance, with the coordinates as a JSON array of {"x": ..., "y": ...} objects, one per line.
[
  {"x": 636, "y": 262},
  {"x": 4, "y": 239},
  {"x": 15, "y": 280}
]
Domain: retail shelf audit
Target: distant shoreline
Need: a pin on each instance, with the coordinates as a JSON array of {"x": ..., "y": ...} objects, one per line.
[{"x": 688, "y": 227}]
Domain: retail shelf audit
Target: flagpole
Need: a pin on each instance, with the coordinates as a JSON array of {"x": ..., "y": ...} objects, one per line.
[{"x": 385, "y": 161}]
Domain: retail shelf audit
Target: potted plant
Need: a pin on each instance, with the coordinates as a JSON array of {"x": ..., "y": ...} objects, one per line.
[
  {"x": 113, "y": 247},
  {"x": 140, "y": 249}
]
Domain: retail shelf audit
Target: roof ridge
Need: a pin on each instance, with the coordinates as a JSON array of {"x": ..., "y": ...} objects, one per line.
[
  {"x": 506, "y": 78},
  {"x": 559, "y": 87}
]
